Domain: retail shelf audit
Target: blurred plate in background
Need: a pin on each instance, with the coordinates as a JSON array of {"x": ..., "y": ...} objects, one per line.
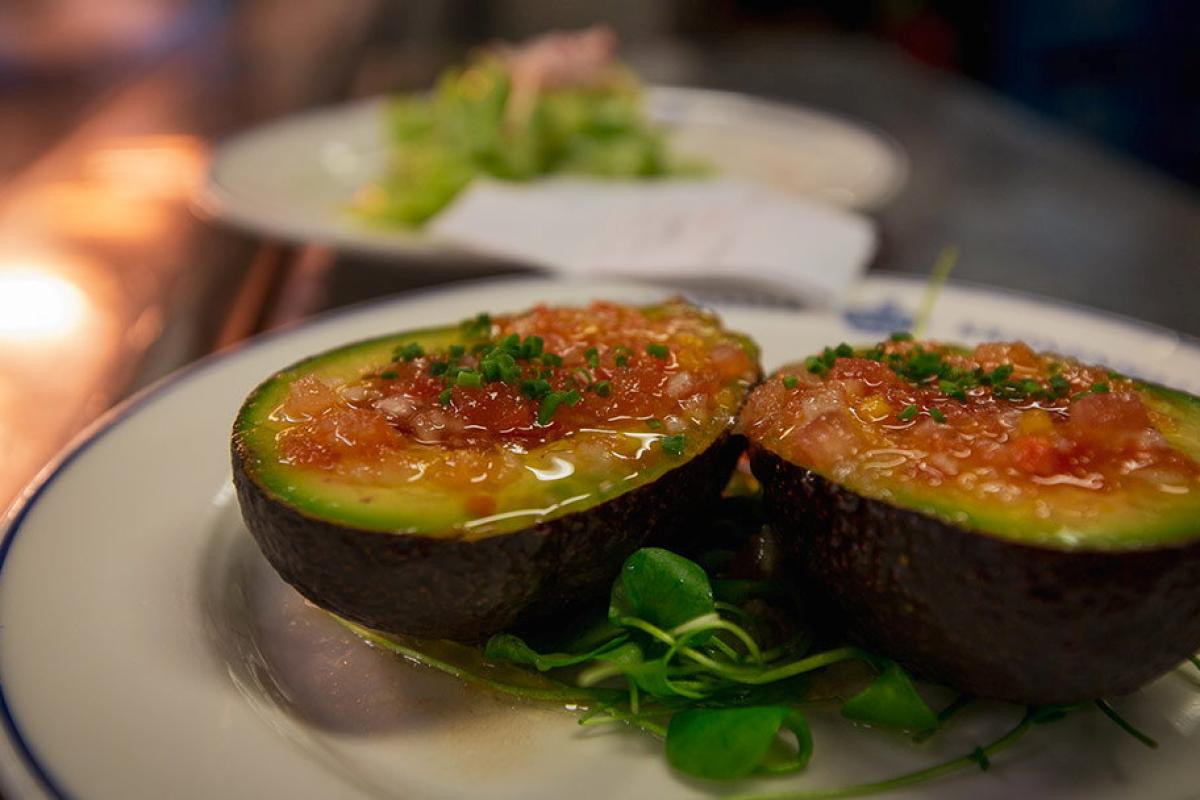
[{"x": 294, "y": 179}]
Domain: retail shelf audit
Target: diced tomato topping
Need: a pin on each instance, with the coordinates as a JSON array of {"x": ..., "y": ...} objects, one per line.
[
  {"x": 597, "y": 366},
  {"x": 1035, "y": 455},
  {"x": 1001, "y": 416}
]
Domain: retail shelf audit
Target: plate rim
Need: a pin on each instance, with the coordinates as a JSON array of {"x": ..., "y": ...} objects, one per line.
[{"x": 14, "y": 516}]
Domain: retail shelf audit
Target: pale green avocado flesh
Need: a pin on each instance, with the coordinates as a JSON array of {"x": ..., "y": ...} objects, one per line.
[{"x": 1145, "y": 517}]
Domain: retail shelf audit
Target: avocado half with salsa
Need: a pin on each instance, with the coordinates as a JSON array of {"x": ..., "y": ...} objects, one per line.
[
  {"x": 458, "y": 481},
  {"x": 1015, "y": 525}
]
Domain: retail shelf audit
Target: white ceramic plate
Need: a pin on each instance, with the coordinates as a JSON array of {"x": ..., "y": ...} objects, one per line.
[
  {"x": 147, "y": 651},
  {"x": 294, "y": 179}
]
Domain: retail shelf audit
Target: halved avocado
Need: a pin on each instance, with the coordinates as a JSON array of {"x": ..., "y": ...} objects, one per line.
[
  {"x": 409, "y": 539},
  {"x": 1041, "y": 597}
]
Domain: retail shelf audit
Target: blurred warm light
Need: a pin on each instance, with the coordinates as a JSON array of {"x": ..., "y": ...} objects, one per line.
[
  {"x": 165, "y": 166},
  {"x": 36, "y": 304},
  {"x": 127, "y": 190}
]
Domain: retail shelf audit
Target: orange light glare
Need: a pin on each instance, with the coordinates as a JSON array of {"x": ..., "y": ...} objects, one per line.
[{"x": 35, "y": 304}]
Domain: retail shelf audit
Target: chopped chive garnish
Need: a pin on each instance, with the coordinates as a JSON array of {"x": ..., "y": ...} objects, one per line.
[
  {"x": 952, "y": 389},
  {"x": 532, "y": 347},
  {"x": 980, "y": 757},
  {"x": 552, "y": 359},
  {"x": 901, "y": 336},
  {"x": 654, "y": 424},
  {"x": 674, "y": 444},
  {"x": 1001, "y": 373},
  {"x": 907, "y": 413},
  {"x": 476, "y": 327},
  {"x": 1059, "y": 385},
  {"x": 410, "y": 351},
  {"x": 444, "y": 397},
  {"x": 469, "y": 378},
  {"x": 602, "y": 388},
  {"x": 592, "y": 356},
  {"x": 457, "y": 351},
  {"x": 659, "y": 351},
  {"x": 815, "y": 365},
  {"x": 790, "y": 381},
  {"x": 1100, "y": 388},
  {"x": 621, "y": 355},
  {"x": 843, "y": 350},
  {"x": 438, "y": 368},
  {"x": 535, "y": 389},
  {"x": 937, "y": 415},
  {"x": 389, "y": 375},
  {"x": 552, "y": 400}
]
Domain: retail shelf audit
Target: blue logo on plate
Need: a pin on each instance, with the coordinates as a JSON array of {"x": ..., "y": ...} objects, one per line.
[{"x": 886, "y": 317}]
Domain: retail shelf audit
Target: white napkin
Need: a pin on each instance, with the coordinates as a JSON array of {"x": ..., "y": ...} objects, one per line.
[{"x": 731, "y": 232}]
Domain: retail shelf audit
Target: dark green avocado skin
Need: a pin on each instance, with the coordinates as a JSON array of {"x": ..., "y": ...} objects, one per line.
[
  {"x": 452, "y": 589},
  {"x": 986, "y": 616}
]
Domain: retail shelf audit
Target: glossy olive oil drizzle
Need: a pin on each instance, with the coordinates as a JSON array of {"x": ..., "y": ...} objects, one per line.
[{"x": 708, "y": 670}]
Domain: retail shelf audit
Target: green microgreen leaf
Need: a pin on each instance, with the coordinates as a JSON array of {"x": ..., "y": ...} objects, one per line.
[
  {"x": 937, "y": 415},
  {"x": 908, "y": 412},
  {"x": 673, "y": 445},
  {"x": 1044, "y": 715},
  {"x": 661, "y": 587},
  {"x": 507, "y": 647},
  {"x": 956, "y": 705},
  {"x": 892, "y": 701},
  {"x": 1125, "y": 725},
  {"x": 726, "y": 743}
]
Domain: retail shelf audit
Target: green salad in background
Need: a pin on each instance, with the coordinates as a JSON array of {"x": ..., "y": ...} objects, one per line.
[{"x": 560, "y": 105}]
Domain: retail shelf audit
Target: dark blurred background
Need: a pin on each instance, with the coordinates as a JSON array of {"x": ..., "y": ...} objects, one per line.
[{"x": 1126, "y": 72}]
